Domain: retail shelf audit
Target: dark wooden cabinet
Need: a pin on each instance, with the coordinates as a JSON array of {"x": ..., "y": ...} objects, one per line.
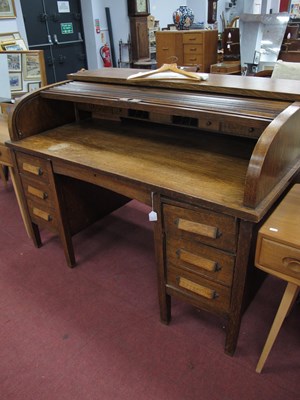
[{"x": 140, "y": 48}]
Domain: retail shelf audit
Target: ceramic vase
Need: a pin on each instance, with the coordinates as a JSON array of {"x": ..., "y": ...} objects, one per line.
[{"x": 183, "y": 18}]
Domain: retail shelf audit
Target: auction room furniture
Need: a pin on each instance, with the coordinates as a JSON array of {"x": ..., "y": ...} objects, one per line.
[
  {"x": 211, "y": 157},
  {"x": 192, "y": 47},
  {"x": 6, "y": 160},
  {"x": 278, "y": 254}
]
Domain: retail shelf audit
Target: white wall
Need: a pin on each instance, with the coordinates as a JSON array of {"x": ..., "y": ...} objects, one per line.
[{"x": 14, "y": 24}]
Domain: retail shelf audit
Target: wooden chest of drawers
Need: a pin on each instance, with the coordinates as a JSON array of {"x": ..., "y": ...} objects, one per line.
[
  {"x": 194, "y": 47},
  {"x": 200, "y": 256}
]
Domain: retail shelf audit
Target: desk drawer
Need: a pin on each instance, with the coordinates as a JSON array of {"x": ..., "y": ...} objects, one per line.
[
  {"x": 33, "y": 167},
  {"x": 192, "y": 38},
  {"x": 5, "y": 157},
  {"x": 201, "y": 260},
  {"x": 197, "y": 289},
  {"x": 38, "y": 191},
  {"x": 279, "y": 257},
  {"x": 203, "y": 226},
  {"x": 42, "y": 215}
]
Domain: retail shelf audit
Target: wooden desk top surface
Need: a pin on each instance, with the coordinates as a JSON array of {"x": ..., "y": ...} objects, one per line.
[
  {"x": 280, "y": 89},
  {"x": 201, "y": 168}
]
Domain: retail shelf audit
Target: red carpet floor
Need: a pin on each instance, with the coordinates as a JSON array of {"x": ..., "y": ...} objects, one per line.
[{"x": 93, "y": 332}]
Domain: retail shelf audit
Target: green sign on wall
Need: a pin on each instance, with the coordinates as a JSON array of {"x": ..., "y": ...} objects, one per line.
[{"x": 66, "y": 28}]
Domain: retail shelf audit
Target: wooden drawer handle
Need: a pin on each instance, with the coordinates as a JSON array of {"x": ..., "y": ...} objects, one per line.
[
  {"x": 193, "y": 49},
  {"x": 198, "y": 261},
  {"x": 200, "y": 229},
  {"x": 291, "y": 263},
  {"x": 41, "y": 214},
  {"x": 196, "y": 288},
  {"x": 37, "y": 193},
  {"x": 32, "y": 169},
  {"x": 191, "y": 39}
]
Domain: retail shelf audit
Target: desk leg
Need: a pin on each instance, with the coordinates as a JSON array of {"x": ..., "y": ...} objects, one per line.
[
  {"x": 164, "y": 298},
  {"x": 2, "y": 175},
  {"x": 286, "y": 302},
  {"x": 24, "y": 214},
  {"x": 238, "y": 287}
]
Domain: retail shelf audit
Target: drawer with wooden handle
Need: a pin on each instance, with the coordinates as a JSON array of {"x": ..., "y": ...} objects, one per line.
[
  {"x": 5, "y": 157},
  {"x": 279, "y": 257},
  {"x": 192, "y": 38},
  {"x": 190, "y": 49},
  {"x": 196, "y": 289},
  {"x": 38, "y": 191},
  {"x": 192, "y": 59},
  {"x": 42, "y": 215},
  {"x": 217, "y": 230},
  {"x": 33, "y": 166},
  {"x": 213, "y": 264}
]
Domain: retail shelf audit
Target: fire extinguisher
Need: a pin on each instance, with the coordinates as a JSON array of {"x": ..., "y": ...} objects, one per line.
[{"x": 105, "y": 55}]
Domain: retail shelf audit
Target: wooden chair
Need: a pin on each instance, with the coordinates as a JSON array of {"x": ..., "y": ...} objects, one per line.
[{"x": 278, "y": 253}]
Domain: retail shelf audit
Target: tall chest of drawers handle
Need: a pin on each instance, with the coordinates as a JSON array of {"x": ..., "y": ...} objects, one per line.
[{"x": 197, "y": 228}]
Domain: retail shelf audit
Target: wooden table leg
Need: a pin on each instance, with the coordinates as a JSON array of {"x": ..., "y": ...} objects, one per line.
[{"x": 286, "y": 302}]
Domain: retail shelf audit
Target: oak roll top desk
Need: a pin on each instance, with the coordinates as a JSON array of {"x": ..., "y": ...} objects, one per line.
[{"x": 213, "y": 158}]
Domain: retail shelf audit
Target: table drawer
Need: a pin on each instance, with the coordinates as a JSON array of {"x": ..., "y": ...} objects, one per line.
[
  {"x": 192, "y": 38},
  {"x": 208, "y": 227},
  {"x": 202, "y": 260},
  {"x": 197, "y": 289},
  {"x": 5, "y": 157},
  {"x": 34, "y": 167},
  {"x": 279, "y": 257}
]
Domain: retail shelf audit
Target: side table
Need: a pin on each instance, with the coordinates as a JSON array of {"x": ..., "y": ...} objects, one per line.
[{"x": 278, "y": 254}]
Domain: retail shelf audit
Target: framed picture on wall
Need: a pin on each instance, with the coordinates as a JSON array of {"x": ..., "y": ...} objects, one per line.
[
  {"x": 14, "y": 61},
  {"x": 31, "y": 66},
  {"x": 15, "y": 81},
  {"x": 295, "y": 8},
  {"x": 7, "y": 9},
  {"x": 33, "y": 86}
]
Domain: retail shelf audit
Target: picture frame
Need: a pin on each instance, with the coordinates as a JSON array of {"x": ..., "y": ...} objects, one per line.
[
  {"x": 33, "y": 86},
  {"x": 15, "y": 81},
  {"x": 294, "y": 8},
  {"x": 12, "y": 47},
  {"x": 256, "y": 58},
  {"x": 7, "y": 9},
  {"x": 31, "y": 66},
  {"x": 14, "y": 61}
]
